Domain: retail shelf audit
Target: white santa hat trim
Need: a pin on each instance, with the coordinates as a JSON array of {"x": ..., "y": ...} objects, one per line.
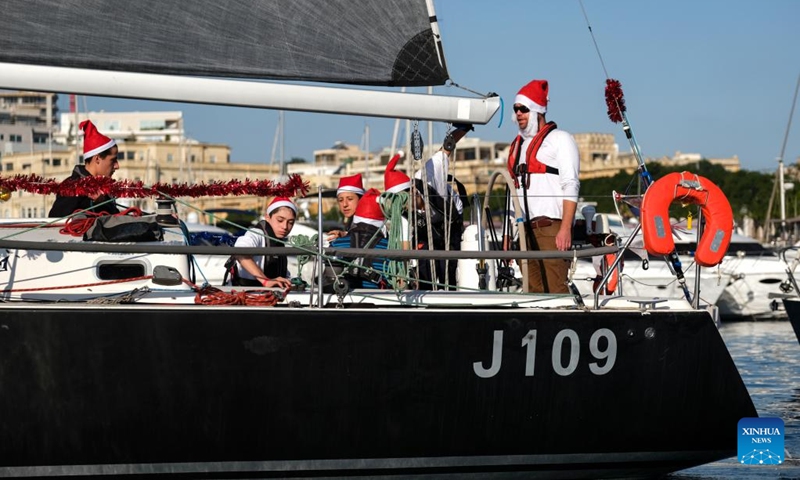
[
  {"x": 281, "y": 203},
  {"x": 532, "y": 106},
  {"x": 400, "y": 187},
  {"x": 349, "y": 188},
  {"x": 370, "y": 221},
  {"x": 100, "y": 149}
]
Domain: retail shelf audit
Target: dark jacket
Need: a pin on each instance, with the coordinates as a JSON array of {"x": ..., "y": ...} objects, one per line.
[
  {"x": 64, "y": 206},
  {"x": 274, "y": 265}
]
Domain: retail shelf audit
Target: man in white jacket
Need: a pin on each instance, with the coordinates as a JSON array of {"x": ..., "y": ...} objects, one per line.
[{"x": 545, "y": 164}]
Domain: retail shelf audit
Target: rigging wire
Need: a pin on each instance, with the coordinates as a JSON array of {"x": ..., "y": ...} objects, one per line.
[
  {"x": 594, "y": 40},
  {"x": 451, "y": 83}
]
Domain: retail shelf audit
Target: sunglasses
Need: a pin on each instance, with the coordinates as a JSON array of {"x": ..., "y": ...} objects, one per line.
[{"x": 521, "y": 108}]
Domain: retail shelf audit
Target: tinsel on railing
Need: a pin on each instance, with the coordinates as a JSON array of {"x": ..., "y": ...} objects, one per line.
[
  {"x": 615, "y": 100},
  {"x": 93, "y": 186}
]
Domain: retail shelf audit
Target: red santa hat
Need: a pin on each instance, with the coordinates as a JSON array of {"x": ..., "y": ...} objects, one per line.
[
  {"x": 534, "y": 96},
  {"x": 94, "y": 142},
  {"x": 351, "y": 184},
  {"x": 279, "y": 202},
  {"x": 394, "y": 181},
  {"x": 368, "y": 209}
]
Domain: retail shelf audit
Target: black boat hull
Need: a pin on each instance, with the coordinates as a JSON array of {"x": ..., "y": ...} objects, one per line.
[
  {"x": 238, "y": 392},
  {"x": 792, "y": 306}
]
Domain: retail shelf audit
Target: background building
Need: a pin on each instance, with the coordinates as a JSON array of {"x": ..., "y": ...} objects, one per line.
[{"x": 27, "y": 120}]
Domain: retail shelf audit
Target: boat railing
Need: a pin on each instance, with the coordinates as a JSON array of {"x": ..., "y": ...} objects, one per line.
[
  {"x": 789, "y": 287},
  {"x": 327, "y": 251}
]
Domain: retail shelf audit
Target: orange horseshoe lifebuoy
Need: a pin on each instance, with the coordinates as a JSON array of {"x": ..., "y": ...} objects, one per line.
[{"x": 687, "y": 188}]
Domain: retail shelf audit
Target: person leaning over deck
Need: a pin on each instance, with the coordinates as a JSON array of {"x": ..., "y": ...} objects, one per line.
[
  {"x": 266, "y": 270},
  {"x": 544, "y": 162},
  {"x": 348, "y": 194},
  {"x": 100, "y": 160}
]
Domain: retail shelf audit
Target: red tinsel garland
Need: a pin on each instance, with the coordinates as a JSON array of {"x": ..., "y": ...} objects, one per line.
[
  {"x": 614, "y": 100},
  {"x": 91, "y": 186}
]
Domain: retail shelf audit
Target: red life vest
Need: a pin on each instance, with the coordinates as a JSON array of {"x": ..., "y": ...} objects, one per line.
[{"x": 534, "y": 165}]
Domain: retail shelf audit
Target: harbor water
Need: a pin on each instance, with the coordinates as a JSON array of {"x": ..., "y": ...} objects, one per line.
[{"x": 767, "y": 355}]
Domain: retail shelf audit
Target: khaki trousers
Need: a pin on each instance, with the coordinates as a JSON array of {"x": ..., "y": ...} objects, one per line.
[{"x": 547, "y": 276}]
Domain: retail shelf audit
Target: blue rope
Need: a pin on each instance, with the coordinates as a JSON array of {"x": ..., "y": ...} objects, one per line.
[{"x": 502, "y": 112}]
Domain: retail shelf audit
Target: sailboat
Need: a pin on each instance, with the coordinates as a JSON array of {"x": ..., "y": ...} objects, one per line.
[{"x": 113, "y": 362}]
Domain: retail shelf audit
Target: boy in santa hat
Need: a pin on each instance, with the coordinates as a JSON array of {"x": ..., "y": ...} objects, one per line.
[
  {"x": 348, "y": 194},
  {"x": 265, "y": 270},
  {"x": 99, "y": 160},
  {"x": 365, "y": 232},
  {"x": 544, "y": 162}
]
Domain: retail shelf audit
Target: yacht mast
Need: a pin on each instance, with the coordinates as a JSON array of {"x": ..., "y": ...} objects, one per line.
[{"x": 780, "y": 161}]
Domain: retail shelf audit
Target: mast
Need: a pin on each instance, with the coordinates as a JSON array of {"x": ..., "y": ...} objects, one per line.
[
  {"x": 780, "y": 162},
  {"x": 283, "y": 144},
  {"x": 430, "y": 131},
  {"x": 278, "y": 145},
  {"x": 73, "y": 107},
  {"x": 366, "y": 154},
  {"x": 182, "y": 148},
  {"x": 49, "y": 145}
]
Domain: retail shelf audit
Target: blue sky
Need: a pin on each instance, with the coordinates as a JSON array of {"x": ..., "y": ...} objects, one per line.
[{"x": 711, "y": 77}]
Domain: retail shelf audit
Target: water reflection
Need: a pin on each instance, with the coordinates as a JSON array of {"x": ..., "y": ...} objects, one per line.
[{"x": 767, "y": 355}]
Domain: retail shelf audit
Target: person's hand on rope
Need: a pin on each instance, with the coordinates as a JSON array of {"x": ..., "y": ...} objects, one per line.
[{"x": 279, "y": 282}]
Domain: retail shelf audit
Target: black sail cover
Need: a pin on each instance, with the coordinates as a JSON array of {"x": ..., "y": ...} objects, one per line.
[{"x": 366, "y": 42}]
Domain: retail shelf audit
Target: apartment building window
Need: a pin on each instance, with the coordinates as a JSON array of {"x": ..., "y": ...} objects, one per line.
[
  {"x": 26, "y": 166},
  {"x": 131, "y": 155},
  {"x": 111, "y": 125},
  {"x": 212, "y": 158},
  {"x": 169, "y": 157},
  {"x": 1, "y": 136},
  {"x": 469, "y": 153},
  {"x": 9, "y": 167},
  {"x": 152, "y": 124},
  {"x": 120, "y": 155},
  {"x": 15, "y": 138},
  {"x": 56, "y": 162},
  {"x": 191, "y": 158}
]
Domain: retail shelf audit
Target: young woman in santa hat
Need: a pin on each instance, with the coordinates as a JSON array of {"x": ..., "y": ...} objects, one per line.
[{"x": 271, "y": 270}]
